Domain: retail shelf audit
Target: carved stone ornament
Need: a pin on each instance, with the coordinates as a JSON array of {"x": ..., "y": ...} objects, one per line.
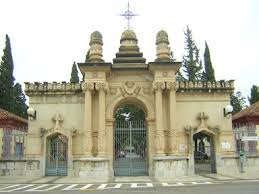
[
  {"x": 87, "y": 86},
  {"x": 203, "y": 126},
  {"x": 101, "y": 86},
  {"x": 58, "y": 120},
  {"x": 130, "y": 89},
  {"x": 157, "y": 85},
  {"x": 172, "y": 86},
  {"x": 113, "y": 90}
]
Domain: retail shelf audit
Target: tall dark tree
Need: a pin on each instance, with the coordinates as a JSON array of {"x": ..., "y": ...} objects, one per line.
[
  {"x": 254, "y": 95},
  {"x": 6, "y": 77},
  {"x": 208, "y": 74},
  {"x": 74, "y": 74},
  {"x": 191, "y": 63},
  {"x": 237, "y": 101},
  {"x": 19, "y": 105}
]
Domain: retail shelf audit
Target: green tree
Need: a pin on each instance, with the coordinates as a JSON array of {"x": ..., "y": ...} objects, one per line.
[
  {"x": 237, "y": 101},
  {"x": 208, "y": 74},
  {"x": 74, "y": 74},
  {"x": 129, "y": 112},
  {"x": 6, "y": 77},
  {"x": 254, "y": 95},
  {"x": 191, "y": 64},
  {"x": 19, "y": 105}
]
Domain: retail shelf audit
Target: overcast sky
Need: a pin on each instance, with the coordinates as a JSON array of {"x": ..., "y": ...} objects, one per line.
[{"x": 48, "y": 35}]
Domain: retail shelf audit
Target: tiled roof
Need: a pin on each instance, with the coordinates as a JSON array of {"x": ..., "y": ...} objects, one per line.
[
  {"x": 251, "y": 111},
  {"x": 7, "y": 115}
]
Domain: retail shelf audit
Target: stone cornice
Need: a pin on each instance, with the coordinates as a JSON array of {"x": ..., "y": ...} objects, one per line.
[
  {"x": 52, "y": 88},
  {"x": 218, "y": 86}
]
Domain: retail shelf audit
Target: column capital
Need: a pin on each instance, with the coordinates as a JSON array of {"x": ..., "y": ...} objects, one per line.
[
  {"x": 158, "y": 85},
  {"x": 172, "y": 85},
  {"x": 88, "y": 86},
  {"x": 101, "y": 86}
]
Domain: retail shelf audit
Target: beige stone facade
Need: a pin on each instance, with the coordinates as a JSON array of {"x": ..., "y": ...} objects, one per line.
[{"x": 175, "y": 111}]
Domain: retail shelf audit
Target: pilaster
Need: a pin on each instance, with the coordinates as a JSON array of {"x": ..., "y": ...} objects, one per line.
[
  {"x": 88, "y": 87},
  {"x": 158, "y": 87},
  {"x": 172, "y": 87},
  {"x": 102, "y": 88}
]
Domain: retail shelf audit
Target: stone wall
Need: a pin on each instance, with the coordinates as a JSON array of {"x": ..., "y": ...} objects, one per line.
[
  {"x": 231, "y": 165},
  {"x": 19, "y": 168}
]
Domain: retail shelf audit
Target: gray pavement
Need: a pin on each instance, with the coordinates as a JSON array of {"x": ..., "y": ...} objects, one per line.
[{"x": 128, "y": 184}]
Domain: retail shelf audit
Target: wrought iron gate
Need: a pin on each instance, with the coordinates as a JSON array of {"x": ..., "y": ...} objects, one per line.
[
  {"x": 130, "y": 151},
  {"x": 56, "y": 164}
]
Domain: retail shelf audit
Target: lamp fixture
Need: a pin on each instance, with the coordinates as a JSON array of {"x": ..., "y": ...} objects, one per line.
[
  {"x": 227, "y": 110},
  {"x": 31, "y": 113}
]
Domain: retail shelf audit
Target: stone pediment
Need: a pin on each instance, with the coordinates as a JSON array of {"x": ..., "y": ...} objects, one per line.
[
  {"x": 203, "y": 127},
  {"x": 58, "y": 120}
]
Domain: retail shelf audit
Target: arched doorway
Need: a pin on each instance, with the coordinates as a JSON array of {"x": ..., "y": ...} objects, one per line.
[
  {"x": 204, "y": 153},
  {"x": 130, "y": 141},
  {"x": 57, "y": 155}
]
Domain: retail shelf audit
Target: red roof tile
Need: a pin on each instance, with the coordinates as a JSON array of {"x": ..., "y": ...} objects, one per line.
[
  {"x": 251, "y": 111},
  {"x": 7, "y": 115}
]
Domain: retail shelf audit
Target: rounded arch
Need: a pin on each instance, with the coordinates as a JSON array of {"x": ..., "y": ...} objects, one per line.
[{"x": 139, "y": 101}]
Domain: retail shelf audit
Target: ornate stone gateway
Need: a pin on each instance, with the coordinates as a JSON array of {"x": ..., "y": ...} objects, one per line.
[
  {"x": 130, "y": 151},
  {"x": 56, "y": 164}
]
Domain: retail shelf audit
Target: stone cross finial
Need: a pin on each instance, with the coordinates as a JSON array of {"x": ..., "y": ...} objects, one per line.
[
  {"x": 58, "y": 120},
  {"x": 163, "y": 51},
  {"x": 96, "y": 50}
]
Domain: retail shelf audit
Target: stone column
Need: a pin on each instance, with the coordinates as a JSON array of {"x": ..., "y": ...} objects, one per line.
[
  {"x": 172, "y": 87},
  {"x": 102, "y": 88},
  {"x": 158, "y": 87},
  {"x": 87, "y": 142}
]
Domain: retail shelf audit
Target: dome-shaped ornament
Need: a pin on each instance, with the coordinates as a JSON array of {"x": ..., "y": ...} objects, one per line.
[
  {"x": 162, "y": 36},
  {"x": 96, "y": 37}
]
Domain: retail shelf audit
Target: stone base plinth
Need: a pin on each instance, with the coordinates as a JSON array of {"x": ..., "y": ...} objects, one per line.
[
  {"x": 170, "y": 167},
  {"x": 93, "y": 168},
  {"x": 19, "y": 167},
  {"x": 230, "y": 165}
]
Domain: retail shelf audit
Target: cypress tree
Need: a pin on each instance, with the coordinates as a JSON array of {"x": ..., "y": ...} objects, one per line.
[
  {"x": 191, "y": 64},
  {"x": 208, "y": 74},
  {"x": 6, "y": 77},
  {"x": 237, "y": 101},
  {"x": 20, "y": 107},
  {"x": 254, "y": 95},
  {"x": 74, "y": 74}
]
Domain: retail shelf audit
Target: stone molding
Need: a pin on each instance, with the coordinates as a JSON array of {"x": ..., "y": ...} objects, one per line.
[
  {"x": 130, "y": 89},
  {"x": 172, "y": 86},
  {"x": 101, "y": 86},
  {"x": 54, "y": 87},
  {"x": 158, "y": 85},
  {"x": 88, "y": 86},
  {"x": 227, "y": 86}
]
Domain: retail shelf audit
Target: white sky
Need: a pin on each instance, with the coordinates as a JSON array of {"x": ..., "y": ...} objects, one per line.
[{"x": 48, "y": 35}]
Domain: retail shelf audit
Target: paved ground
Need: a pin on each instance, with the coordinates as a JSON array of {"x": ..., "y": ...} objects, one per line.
[
  {"x": 132, "y": 184},
  {"x": 222, "y": 187}
]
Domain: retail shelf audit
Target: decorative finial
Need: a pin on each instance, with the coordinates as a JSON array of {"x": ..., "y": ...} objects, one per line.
[
  {"x": 96, "y": 50},
  {"x": 128, "y": 15},
  {"x": 163, "y": 51}
]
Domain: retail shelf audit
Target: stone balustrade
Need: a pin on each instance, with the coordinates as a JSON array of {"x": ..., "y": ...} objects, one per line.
[
  {"x": 37, "y": 87},
  {"x": 227, "y": 86}
]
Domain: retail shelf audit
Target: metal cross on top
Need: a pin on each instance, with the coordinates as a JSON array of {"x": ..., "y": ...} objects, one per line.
[{"x": 128, "y": 15}]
